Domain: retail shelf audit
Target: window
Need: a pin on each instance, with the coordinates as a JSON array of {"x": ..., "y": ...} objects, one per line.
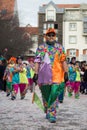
[
  {"x": 72, "y": 26},
  {"x": 86, "y": 40},
  {"x": 50, "y": 25},
  {"x": 85, "y": 25},
  {"x": 44, "y": 26},
  {"x": 3, "y": 12},
  {"x": 72, "y": 52},
  {"x": 72, "y": 39},
  {"x": 50, "y": 15},
  {"x": 56, "y": 26}
]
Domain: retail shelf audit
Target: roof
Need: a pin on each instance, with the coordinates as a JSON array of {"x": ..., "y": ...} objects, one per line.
[
  {"x": 59, "y": 7},
  {"x": 68, "y": 5},
  {"x": 6, "y": 8},
  {"x": 30, "y": 30}
]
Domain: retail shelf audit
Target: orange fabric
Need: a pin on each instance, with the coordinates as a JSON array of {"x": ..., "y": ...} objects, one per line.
[
  {"x": 62, "y": 57},
  {"x": 11, "y": 75},
  {"x": 57, "y": 69}
]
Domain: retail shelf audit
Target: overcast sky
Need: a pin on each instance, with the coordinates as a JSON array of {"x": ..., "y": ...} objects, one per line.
[{"x": 28, "y": 9}]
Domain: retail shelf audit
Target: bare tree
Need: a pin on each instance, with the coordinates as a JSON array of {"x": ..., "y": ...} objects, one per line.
[{"x": 11, "y": 38}]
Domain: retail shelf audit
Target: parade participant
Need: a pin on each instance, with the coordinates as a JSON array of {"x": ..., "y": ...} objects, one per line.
[
  {"x": 72, "y": 77},
  {"x": 32, "y": 68},
  {"x": 73, "y": 60},
  {"x": 76, "y": 88},
  {"x": 19, "y": 79},
  {"x": 8, "y": 75},
  {"x": 73, "y": 84},
  {"x": 27, "y": 66},
  {"x": 50, "y": 66}
]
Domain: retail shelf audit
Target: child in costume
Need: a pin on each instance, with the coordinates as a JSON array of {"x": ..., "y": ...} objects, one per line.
[
  {"x": 73, "y": 83},
  {"x": 8, "y": 75},
  {"x": 19, "y": 79},
  {"x": 32, "y": 67},
  {"x": 71, "y": 80},
  {"x": 77, "y": 80},
  {"x": 27, "y": 66},
  {"x": 50, "y": 66}
]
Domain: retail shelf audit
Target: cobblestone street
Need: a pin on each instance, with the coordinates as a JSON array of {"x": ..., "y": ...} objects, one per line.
[{"x": 23, "y": 115}]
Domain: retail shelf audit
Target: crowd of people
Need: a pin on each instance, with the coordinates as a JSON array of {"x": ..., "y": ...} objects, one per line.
[
  {"x": 50, "y": 70},
  {"x": 77, "y": 77},
  {"x": 16, "y": 74}
]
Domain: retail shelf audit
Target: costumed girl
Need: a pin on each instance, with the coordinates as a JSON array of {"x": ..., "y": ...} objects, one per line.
[
  {"x": 8, "y": 75},
  {"x": 19, "y": 79}
]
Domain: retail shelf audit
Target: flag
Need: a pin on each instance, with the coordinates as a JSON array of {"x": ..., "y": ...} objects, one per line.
[{"x": 37, "y": 100}]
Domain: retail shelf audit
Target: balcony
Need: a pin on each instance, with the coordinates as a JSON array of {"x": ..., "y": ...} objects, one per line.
[{"x": 50, "y": 18}]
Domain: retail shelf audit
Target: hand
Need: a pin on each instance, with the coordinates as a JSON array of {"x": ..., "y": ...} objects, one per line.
[
  {"x": 35, "y": 78},
  {"x": 66, "y": 77}
]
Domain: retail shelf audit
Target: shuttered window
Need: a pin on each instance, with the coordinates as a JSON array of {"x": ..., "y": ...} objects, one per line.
[{"x": 50, "y": 15}]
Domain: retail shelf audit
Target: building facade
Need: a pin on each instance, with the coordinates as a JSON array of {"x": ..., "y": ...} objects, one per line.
[
  {"x": 75, "y": 31},
  {"x": 70, "y": 22},
  {"x": 50, "y": 16}
]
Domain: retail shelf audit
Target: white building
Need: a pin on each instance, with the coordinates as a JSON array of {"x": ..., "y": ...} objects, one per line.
[{"x": 75, "y": 31}]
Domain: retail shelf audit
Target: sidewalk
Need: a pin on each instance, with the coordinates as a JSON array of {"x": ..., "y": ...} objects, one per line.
[{"x": 23, "y": 115}]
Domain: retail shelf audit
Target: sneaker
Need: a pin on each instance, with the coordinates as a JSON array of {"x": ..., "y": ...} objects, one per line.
[
  {"x": 77, "y": 96},
  {"x": 52, "y": 119},
  {"x": 85, "y": 92},
  {"x": 69, "y": 94},
  {"x": 8, "y": 94},
  {"x": 13, "y": 98},
  {"x": 61, "y": 101},
  {"x": 22, "y": 97},
  {"x": 47, "y": 116}
]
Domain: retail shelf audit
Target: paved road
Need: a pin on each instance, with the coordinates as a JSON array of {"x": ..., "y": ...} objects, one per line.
[{"x": 23, "y": 115}]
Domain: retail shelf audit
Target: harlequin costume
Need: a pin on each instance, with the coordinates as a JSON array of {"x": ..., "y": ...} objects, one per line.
[{"x": 50, "y": 76}]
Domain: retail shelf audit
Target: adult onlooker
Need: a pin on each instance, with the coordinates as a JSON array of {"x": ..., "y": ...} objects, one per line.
[{"x": 2, "y": 69}]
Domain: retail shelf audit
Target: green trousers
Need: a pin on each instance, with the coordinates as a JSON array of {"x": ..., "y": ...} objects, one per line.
[{"x": 51, "y": 92}]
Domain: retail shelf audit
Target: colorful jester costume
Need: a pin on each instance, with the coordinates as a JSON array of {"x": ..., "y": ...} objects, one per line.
[{"x": 50, "y": 75}]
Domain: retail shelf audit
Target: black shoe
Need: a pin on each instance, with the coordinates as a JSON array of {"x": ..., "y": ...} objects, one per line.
[
  {"x": 82, "y": 92},
  {"x": 22, "y": 97},
  {"x": 13, "y": 98},
  {"x": 8, "y": 94},
  {"x": 60, "y": 101},
  {"x": 52, "y": 120}
]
